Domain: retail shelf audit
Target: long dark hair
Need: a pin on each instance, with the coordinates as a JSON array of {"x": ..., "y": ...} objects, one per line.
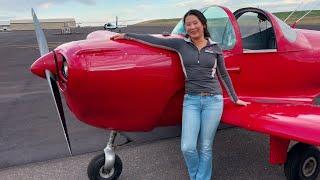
[{"x": 202, "y": 19}]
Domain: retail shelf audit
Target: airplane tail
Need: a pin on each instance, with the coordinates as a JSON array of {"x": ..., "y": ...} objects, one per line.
[{"x": 116, "y": 21}]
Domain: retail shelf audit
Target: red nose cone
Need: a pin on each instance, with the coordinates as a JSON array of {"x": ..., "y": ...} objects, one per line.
[{"x": 44, "y": 62}]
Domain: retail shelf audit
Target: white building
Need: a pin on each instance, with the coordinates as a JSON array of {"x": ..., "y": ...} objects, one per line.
[
  {"x": 45, "y": 24},
  {"x": 4, "y": 25}
]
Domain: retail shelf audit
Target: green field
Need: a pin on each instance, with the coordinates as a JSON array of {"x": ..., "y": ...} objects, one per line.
[
  {"x": 312, "y": 18},
  {"x": 159, "y": 22}
]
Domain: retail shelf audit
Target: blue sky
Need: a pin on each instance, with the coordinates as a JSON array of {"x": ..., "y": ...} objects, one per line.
[{"x": 139, "y": 10}]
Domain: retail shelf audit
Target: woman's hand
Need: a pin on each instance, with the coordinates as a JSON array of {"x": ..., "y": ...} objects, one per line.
[
  {"x": 242, "y": 103},
  {"x": 117, "y": 36}
]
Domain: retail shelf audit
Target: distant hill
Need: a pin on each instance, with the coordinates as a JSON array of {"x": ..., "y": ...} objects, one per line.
[
  {"x": 312, "y": 18},
  {"x": 159, "y": 22}
]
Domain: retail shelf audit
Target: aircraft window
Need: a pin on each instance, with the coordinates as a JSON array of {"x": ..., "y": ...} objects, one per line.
[
  {"x": 179, "y": 28},
  {"x": 287, "y": 30},
  {"x": 219, "y": 26},
  {"x": 256, "y": 32}
]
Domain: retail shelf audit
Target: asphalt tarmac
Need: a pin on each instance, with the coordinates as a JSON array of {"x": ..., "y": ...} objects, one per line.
[
  {"x": 238, "y": 155},
  {"x": 30, "y": 131},
  {"x": 29, "y": 128}
]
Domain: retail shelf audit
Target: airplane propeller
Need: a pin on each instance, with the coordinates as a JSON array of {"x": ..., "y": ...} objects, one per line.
[{"x": 43, "y": 47}]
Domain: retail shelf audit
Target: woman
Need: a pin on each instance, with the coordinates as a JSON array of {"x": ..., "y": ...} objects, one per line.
[{"x": 202, "y": 60}]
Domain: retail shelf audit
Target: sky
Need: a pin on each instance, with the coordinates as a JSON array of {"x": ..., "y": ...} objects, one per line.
[{"x": 131, "y": 11}]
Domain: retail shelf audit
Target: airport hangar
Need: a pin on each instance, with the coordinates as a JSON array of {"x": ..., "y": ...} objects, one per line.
[
  {"x": 4, "y": 24},
  {"x": 45, "y": 24}
]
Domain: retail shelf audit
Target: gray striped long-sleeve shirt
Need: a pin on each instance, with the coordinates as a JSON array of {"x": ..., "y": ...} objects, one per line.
[{"x": 200, "y": 67}]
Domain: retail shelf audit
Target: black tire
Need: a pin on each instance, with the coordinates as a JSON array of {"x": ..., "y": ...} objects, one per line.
[
  {"x": 95, "y": 168},
  {"x": 303, "y": 162}
]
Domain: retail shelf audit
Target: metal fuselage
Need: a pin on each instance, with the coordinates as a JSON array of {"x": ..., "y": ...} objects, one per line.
[{"x": 129, "y": 86}]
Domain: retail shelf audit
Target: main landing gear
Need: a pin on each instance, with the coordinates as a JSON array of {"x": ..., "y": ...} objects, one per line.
[
  {"x": 106, "y": 166},
  {"x": 303, "y": 162}
]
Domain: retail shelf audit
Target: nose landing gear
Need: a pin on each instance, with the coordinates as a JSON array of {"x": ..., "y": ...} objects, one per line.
[{"x": 106, "y": 166}]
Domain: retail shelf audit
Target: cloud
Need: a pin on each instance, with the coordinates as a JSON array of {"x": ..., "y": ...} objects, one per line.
[
  {"x": 198, "y": 4},
  {"x": 5, "y": 17},
  {"x": 45, "y": 5},
  {"x": 144, "y": 6},
  {"x": 88, "y": 2},
  {"x": 272, "y": 6},
  {"x": 93, "y": 10},
  {"x": 16, "y": 5},
  {"x": 21, "y": 8},
  {"x": 288, "y": 5}
]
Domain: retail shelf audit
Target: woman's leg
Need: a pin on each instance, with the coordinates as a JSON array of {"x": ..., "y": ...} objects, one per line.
[
  {"x": 189, "y": 134},
  {"x": 210, "y": 118}
]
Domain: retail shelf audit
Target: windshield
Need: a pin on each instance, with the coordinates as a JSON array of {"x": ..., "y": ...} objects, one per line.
[
  {"x": 219, "y": 26},
  {"x": 287, "y": 31},
  {"x": 256, "y": 31}
]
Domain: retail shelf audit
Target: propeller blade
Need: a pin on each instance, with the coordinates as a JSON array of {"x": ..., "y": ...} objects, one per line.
[
  {"x": 43, "y": 47},
  {"x": 41, "y": 38},
  {"x": 57, "y": 99}
]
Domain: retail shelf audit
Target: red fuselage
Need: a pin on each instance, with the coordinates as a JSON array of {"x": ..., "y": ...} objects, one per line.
[{"x": 129, "y": 86}]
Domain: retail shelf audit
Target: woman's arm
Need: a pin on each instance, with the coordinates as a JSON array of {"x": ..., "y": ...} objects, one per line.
[
  {"x": 167, "y": 43},
  {"x": 225, "y": 78}
]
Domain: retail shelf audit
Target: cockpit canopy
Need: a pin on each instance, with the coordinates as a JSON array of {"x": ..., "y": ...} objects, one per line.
[
  {"x": 256, "y": 30},
  {"x": 219, "y": 26}
]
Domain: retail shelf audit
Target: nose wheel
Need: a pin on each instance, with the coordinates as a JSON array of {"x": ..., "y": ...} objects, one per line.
[
  {"x": 96, "y": 170},
  {"x": 303, "y": 162},
  {"x": 106, "y": 166}
]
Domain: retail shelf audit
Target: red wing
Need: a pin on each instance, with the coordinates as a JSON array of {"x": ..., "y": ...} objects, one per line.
[{"x": 300, "y": 122}]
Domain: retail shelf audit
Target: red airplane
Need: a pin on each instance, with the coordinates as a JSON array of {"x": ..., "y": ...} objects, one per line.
[{"x": 125, "y": 85}]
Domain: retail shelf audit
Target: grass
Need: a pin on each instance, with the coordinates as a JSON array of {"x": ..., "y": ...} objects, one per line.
[
  {"x": 312, "y": 18},
  {"x": 159, "y": 22}
]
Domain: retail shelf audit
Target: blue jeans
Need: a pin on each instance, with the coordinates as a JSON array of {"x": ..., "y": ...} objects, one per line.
[{"x": 200, "y": 119}]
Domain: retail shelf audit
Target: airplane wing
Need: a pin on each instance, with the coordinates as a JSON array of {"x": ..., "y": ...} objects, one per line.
[{"x": 295, "y": 121}]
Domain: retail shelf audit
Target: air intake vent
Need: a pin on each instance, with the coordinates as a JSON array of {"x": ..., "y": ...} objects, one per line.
[{"x": 317, "y": 100}]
